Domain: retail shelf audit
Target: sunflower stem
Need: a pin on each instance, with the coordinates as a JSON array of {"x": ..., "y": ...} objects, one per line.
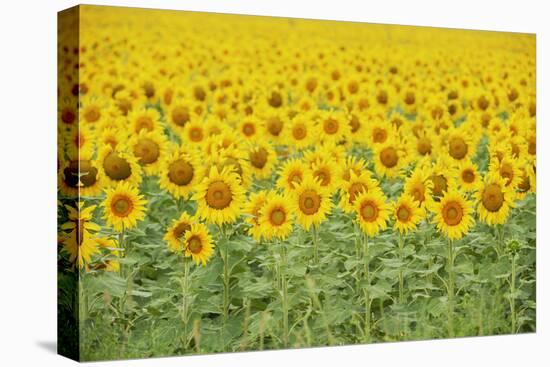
[
  {"x": 366, "y": 292},
  {"x": 284, "y": 293},
  {"x": 401, "y": 278},
  {"x": 315, "y": 238},
  {"x": 450, "y": 287},
  {"x": 513, "y": 293},
  {"x": 185, "y": 300}
]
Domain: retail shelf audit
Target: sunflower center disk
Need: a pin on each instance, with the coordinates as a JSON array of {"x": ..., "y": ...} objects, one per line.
[
  {"x": 468, "y": 176},
  {"x": 116, "y": 168},
  {"x": 274, "y": 126},
  {"x": 249, "y": 129},
  {"x": 309, "y": 202},
  {"x": 380, "y": 135},
  {"x": 180, "y": 230},
  {"x": 330, "y": 126},
  {"x": 440, "y": 185},
  {"x": 195, "y": 134},
  {"x": 258, "y": 158},
  {"x": 323, "y": 177},
  {"x": 354, "y": 190},
  {"x": 424, "y": 146},
  {"x": 493, "y": 198},
  {"x": 144, "y": 123},
  {"x": 180, "y": 115},
  {"x": 194, "y": 245},
  {"x": 147, "y": 151},
  {"x": 388, "y": 157},
  {"x": 403, "y": 214},
  {"x": 121, "y": 206},
  {"x": 452, "y": 213},
  {"x": 299, "y": 132},
  {"x": 180, "y": 172},
  {"x": 277, "y": 217},
  {"x": 218, "y": 195},
  {"x": 369, "y": 212},
  {"x": 457, "y": 148}
]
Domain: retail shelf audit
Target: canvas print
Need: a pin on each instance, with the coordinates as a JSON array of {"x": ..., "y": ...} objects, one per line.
[{"x": 239, "y": 183}]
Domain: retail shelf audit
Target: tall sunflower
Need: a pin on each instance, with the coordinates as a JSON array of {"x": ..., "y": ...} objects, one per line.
[
  {"x": 220, "y": 196},
  {"x": 123, "y": 206},
  {"x": 453, "y": 215},
  {"x": 311, "y": 203},
  {"x": 180, "y": 172},
  {"x": 176, "y": 232},
  {"x": 407, "y": 214},
  {"x": 275, "y": 217},
  {"x": 372, "y": 211},
  {"x": 494, "y": 199},
  {"x": 198, "y": 244}
]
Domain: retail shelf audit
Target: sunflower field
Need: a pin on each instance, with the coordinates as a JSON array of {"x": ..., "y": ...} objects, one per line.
[{"x": 232, "y": 183}]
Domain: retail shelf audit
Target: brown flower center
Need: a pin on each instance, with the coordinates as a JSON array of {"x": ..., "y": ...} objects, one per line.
[
  {"x": 388, "y": 157},
  {"x": 249, "y": 129},
  {"x": 274, "y": 126},
  {"x": 180, "y": 230},
  {"x": 492, "y": 197},
  {"x": 354, "y": 190},
  {"x": 180, "y": 172},
  {"x": 258, "y": 157},
  {"x": 218, "y": 195},
  {"x": 92, "y": 114},
  {"x": 277, "y": 217},
  {"x": 468, "y": 176},
  {"x": 275, "y": 99},
  {"x": 452, "y": 213},
  {"x": 196, "y": 134},
  {"x": 323, "y": 176},
  {"x": 507, "y": 172},
  {"x": 379, "y": 135},
  {"x": 424, "y": 146},
  {"x": 309, "y": 202},
  {"x": 194, "y": 245},
  {"x": 147, "y": 151},
  {"x": 457, "y": 148},
  {"x": 121, "y": 205},
  {"x": 440, "y": 184},
  {"x": 403, "y": 213},
  {"x": 144, "y": 122},
  {"x": 180, "y": 116},
  {"x": 369, "y": 211},
  {"x": 299, "y": 131},
  {"x": 116, "y": 168}
]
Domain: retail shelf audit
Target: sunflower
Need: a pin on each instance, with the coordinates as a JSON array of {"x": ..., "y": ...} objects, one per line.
[
  {"x": 453, "y": 215},
  {"x": 380, "y": 131},
  {"x": 249, "y": 128},
  {"x": 123, "y": 206},
  {"x": 351, "y": 165},
  {"x": 419, "y": 187},
  {"x": 79, "y": 242},
  {"x": 180, "y": 113},
  {"x": 333, "y": 126},
  {"x": 149, "y": 147},
  {"x": 509, "y": 169},
  {"x": 300, "y": 131},
  {"x": 113, "y": 137},
  {"x": 528, "y": 182},
  {"x": 274, "y": 124},
  {"x": 372, "y": 211},
  {"x": 310, "y": 202},
  {"x": 494, "y": 199},
  {"x": 117, "y": 165},
  {"x": 351, "y": 188},
  {"x": 147, "y": 119},
  {"x": 220, "y": 196},
  {"x": 262, "y": 158},
  {"x": 275, "y": 217},
  {"x": 326, "y": 173},
  {"x": 80, "y": 142},
  {"x": 180, "y": 172},
  {"x": 198, "y": 244},
  {"x": 390, "y": 158},
  {"x": 176, "y": 232},
  {"x": 91, "y": 111},
  {"x": 459, "y": 146},
  {"x": 468, "y": 175},
  {"x": 407, "y": 214},
  {"x": 291, "y": 174},
  {"x": 255, "y": 203},
  {"x": 194, "y": 133}
]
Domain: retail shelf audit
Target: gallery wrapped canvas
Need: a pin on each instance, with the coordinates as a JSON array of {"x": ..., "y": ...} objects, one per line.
[{"x": 239, "y": 183}]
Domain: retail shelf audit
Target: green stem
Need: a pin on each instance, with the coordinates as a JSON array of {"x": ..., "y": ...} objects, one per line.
[
  {"x": 401, "y": 278},
  {"x": 450, "y": 287},
  {"x": 512, "y": 294},
  {"x": 185, "y": 300},
  {"x": 226, "y": 275},
  {"x": 284, "y": 294},
  {"x": 315, "y": 245},
  {"x": 366, "y": 293}
]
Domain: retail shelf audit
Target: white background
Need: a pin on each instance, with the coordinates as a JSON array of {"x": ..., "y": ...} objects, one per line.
[{"x": 28, "y": 183}]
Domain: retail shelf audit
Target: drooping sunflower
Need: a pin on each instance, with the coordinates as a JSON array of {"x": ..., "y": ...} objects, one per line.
[
  {"x": 180, "y": 172},
  {"x": 407, "y": 214},
  {"x": 351, "y": 188},
  {"x": 291, "y": 174},
  {"x": 220, "y": 196},
  {"x": 123, "y": 206},
  {"x": 198, "y": 244},
  {"x": 118, "y": 165},
  {"x": 494, "y": 199},
  {"x": 275, "y": 217},
  {"x": 175, "y": 234},
  {"x": 372, "y": 211},
  {"x": 528, "y": 182},
  {"x": 311, "y": 203},
  {"x": 453, "y": 214}
]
